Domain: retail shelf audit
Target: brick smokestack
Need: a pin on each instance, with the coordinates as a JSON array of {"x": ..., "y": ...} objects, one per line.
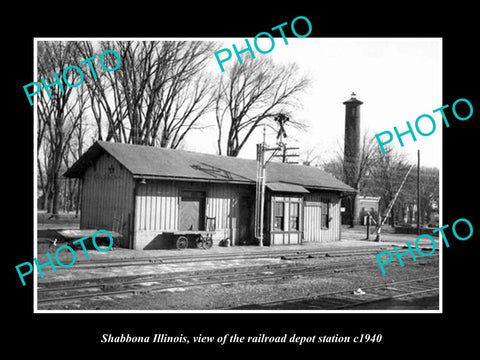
[{"x": 351, "y": 157}]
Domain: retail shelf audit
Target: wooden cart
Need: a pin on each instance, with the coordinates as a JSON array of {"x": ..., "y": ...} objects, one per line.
[
  {"x": 191, "y": 238},
  {"x": 202, "y": 239}
]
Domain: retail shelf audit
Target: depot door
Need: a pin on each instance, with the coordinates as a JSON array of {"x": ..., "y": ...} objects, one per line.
[
  {"x": 245, "y": 220},
  {"x": 312, "y": 222},
  {"x": 192, "y": 211}
]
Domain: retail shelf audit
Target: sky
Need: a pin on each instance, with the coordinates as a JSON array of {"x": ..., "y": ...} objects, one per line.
[{"x": 397, "y": 79}]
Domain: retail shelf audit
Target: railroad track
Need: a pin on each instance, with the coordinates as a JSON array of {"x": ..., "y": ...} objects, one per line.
[
  {"x": 54, "y": 292},
  {"x": 347, "y": 299},
  {"x": 94, "y": 288},
  {"x": 174, "y": 259}
]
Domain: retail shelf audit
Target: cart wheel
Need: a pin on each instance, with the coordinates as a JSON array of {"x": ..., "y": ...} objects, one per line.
[
  {"x": 200, "y": 241},
  {"x": 182, "y": 243},
  {"x": 208, "y": 242}
]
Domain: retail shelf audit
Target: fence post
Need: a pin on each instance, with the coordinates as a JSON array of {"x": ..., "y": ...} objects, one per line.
[
  {"x": 368, "y": 227},
  {"x": 378, "y": 238}
]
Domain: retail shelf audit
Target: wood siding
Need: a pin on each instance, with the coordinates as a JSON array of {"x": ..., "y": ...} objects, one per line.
[
  {"x": 222, "y": 204},
  {"x": 157, "y": 210},
  {"x": 107, "y": 198},
  {"x": 156, "y": 206},
  {"x": 145, "y": 213},
  {"x": 316, "y": 232}
]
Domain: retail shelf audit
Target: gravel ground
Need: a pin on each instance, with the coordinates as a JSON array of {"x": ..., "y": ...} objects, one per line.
[
  {"x": 225, "y": 296},
  {"x": 214, "y": 297}
]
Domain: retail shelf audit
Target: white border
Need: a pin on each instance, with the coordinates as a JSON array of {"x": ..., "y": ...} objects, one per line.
[{"x": 36, "y": 311}]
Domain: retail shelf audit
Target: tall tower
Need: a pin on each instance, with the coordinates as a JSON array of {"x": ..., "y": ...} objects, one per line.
[{"x": 351, "y": 157}]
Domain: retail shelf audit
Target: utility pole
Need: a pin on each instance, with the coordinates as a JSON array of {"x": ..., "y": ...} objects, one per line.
[
  {"x": 418, "y": 192},
  {"x": 283, "y": 148}
]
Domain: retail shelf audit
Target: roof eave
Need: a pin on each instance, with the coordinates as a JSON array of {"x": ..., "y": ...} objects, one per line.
[
  {"x": 78, "y": 168},
  {"x": 326, "y": 188},
  {"x": 183, "y": 178}
]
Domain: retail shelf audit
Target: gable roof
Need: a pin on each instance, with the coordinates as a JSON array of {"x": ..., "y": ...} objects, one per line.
[
  {"x": 283, "y": 187},
  {"x": 161, "y": 163}
]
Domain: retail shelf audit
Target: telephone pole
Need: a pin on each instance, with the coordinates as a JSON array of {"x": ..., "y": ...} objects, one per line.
[{"x": 418, "y": 192}]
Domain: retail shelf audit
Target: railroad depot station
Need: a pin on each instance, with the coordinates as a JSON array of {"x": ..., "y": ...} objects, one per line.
[
  {"x": 272, "y": 228},
  {"x": 149, "y": 194}
]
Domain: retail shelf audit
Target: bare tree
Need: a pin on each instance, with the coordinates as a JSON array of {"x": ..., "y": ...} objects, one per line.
[
  {"x": 351, "y": 172},
  {"x": 429, "y": 196},
  {"x": 310, "y": 156},
  {"x": 59, "y": 113},
  {"x": 381, "y": 175},
  {"x": 429, "y": 193},
  {"x": 157, "y": 96},
  {"x": 75, "y": 150},
  {"x": 385, "y": 178},
  {"x": 106, "y": 103},
  {"x": 186, "y": 97},
  {"x": 367, "y": 160},
  {"x": 252, "y": 94}
]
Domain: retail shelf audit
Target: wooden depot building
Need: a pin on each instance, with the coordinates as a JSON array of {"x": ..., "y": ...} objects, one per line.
[{"x": 145, "y": 193}]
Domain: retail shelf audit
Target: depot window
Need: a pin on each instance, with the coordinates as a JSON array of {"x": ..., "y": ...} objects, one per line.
[
  {"x": 278, "y": 215},
  {"x": 294, "y": 217},
  {"x": 325, "y": 204}
]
